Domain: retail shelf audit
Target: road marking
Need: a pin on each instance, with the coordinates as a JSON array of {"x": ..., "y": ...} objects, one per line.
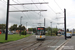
[
  {"x": 61, "y": 46},
  {"x": 64, "y": 45}
]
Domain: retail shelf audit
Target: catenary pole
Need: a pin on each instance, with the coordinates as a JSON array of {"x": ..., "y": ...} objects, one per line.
[
  {"x": 65, "y": 22},
  {"x": 7, "y": 18}
]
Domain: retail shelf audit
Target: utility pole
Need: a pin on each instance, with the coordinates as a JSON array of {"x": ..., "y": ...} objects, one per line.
[
  {"x": 44, "y": 22},
  {"x": 26, "y": 25},
  {"x": 65, "y": 23},
  {"x": 51, "y": 28},
  {"x": 56, "y": 30},
  {"x": 7, "y": 16},
  {"x": 20, "y": 24}
]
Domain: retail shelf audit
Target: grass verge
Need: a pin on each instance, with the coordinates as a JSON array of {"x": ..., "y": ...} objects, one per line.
[{"x": 13, "y": 37}]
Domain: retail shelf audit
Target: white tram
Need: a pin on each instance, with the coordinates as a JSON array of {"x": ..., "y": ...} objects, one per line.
[{"x": 40, "y": 34}]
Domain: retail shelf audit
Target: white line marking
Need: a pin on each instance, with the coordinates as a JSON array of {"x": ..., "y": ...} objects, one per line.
[{"x": 60, "y": 46}]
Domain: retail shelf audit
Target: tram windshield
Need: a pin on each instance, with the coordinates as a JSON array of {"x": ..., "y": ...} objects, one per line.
[{"x": 40, "y": 31}]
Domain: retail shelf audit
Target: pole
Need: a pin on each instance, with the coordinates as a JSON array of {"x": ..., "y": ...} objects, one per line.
[
  {"x": 56, "y": 30},
  {"x": 20, "y": 24},
  {"x": 44, "y": 22},
  {"x": 65, "y": 22},
  {"x": 51, "y": 28},
  {"x": 7, "y": 16},
  {"x": 26, "y": 24}
]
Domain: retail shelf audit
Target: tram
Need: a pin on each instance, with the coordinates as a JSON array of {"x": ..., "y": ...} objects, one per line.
[{"x": 40, "y": 33}]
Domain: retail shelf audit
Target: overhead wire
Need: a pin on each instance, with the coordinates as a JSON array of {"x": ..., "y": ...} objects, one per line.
[
  {"x": 23, "y": 7},
  {"x": 58, "y": 5},
  {"x": 22, "y": 12},
  {"x": 37, "y": 8},
  {"x": 28, "y": 8},
  {"x": 15, "y": 7},
  {"x": 17, "y": 3},
  {"x": 35, "y": 5},
  {"x": 50, "y": 7}
]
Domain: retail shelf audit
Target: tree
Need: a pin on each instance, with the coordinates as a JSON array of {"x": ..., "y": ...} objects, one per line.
[
  {"x": 34, "y": 30},
  {"x": 30, "y": 29},
  {"x": 14, "y": 27},
  {"x": 2, "y": 27},
  {"x": 21, "y": 27},
  {"x": 49, "y": 28},
  {"x": 54, "y": 30}
]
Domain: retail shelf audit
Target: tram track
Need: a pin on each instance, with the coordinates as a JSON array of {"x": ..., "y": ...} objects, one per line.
[
  {"x": 49, "y": 43},
  {"x": 32, "y": 44},
  {"x": 32, "y": 47},
  {"x": 18, "y": 47},
  {"x": 35, "y": 48}
]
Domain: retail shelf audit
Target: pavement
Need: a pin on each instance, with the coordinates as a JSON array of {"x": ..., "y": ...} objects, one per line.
[
  {"x": 30, "y": 43},
  {"x": 70, "y": 45}
]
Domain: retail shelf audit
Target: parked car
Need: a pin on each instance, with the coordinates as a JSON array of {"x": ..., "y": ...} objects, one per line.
[
  {"x": 73, "y": 34},
  {"x": 10, "y": 33},
  {"x": 63, "y": 33},
  {"x": 59, "y": 34},
  {"x": 68, "y": 35}
]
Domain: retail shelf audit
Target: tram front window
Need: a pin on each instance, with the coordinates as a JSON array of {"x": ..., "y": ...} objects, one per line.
[{"x": 40, "y": 32}]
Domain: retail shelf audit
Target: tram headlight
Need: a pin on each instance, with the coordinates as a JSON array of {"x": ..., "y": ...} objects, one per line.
[{"x": 37, "y": 36}]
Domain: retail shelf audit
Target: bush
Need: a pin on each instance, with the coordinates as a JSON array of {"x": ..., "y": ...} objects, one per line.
[
  {"x": 23, "y": 32},
  {"x": 49, "y": 32}
]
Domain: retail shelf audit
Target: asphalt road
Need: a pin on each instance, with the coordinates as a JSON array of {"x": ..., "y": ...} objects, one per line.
[
  {"x": 30, "y": 43},
  {"x": 70, "y": 45}
]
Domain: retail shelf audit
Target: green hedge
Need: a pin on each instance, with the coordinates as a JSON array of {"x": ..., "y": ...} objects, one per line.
[{"x": 23, "y": 32}]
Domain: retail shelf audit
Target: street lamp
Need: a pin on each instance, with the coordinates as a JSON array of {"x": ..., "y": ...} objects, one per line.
[
  {"x": 21, "y": 20},
  {"x": 26, "y": 24},
  {"x": 51, "y": 28},
  {"x": 57, "y": 18},
  {"x": 20, "y": 24}
]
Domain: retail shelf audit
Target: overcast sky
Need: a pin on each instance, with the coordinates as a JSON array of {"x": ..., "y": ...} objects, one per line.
[{"x": 55, "y": 8}]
